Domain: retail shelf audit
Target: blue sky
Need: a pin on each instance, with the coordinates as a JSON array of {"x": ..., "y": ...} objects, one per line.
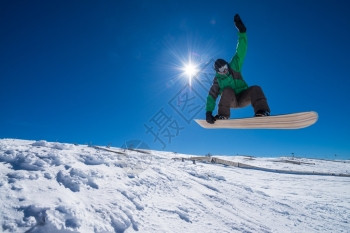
[{"x": 109, "y": 72}]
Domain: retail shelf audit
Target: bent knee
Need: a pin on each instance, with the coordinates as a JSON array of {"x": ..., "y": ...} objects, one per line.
[{"x": 255, "y": 87}]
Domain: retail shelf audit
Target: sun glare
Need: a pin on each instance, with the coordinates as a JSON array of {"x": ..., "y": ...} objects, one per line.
[{"x": 190, "y": 70}]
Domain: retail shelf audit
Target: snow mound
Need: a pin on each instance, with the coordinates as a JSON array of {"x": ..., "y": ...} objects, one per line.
[{"x": 57, "y": 187}]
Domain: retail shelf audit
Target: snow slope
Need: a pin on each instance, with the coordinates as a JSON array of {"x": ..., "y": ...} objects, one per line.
[{"x": 55, "y": 187}]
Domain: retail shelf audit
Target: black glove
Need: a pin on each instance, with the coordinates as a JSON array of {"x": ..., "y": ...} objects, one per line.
[
  {"x": 209, "y": 118},
  {"x": 239, "y": 24}
]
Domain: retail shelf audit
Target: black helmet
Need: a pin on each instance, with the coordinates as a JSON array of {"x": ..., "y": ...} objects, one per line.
[{"x": 219, "y": 63}]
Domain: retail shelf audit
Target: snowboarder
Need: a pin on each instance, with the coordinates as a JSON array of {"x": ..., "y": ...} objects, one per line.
[{"x": 229, "y": 83}]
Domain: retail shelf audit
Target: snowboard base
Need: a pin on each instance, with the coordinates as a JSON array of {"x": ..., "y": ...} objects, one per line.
[{"x": 286, "y": 121}]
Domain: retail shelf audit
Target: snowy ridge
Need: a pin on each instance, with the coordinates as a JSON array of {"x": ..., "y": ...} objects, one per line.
[
  {"x": 231, "y": 162},
  {"x": 57, "y": 187}
]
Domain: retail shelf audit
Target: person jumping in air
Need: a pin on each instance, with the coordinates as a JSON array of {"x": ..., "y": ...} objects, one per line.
[{"x": 228, "y": 82}]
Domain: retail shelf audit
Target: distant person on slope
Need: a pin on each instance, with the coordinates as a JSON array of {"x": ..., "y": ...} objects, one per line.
[{"x": 229, "y": 83}]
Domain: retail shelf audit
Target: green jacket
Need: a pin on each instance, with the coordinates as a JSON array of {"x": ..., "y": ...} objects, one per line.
[{"x": 234, "y": 78}]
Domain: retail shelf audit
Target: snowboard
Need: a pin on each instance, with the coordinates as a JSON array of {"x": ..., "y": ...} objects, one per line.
[{"x": 287, "y": 121}]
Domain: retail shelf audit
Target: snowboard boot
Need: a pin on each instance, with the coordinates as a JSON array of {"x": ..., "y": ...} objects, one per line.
[
  {"x": 262, "y": 113},
  {"x": 220, "y": 117}
]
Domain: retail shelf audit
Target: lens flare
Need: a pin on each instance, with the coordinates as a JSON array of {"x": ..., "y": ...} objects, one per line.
[{"x": 190, "y": 70}]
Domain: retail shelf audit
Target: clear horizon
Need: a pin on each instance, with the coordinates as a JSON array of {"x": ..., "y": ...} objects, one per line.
[{"x": 111, "y": 73}]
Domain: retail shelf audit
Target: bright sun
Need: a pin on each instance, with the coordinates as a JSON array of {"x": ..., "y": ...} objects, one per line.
[{"x": 190, "y": 70}]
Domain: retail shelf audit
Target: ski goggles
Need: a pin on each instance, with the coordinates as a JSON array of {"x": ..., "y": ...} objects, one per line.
[{"x": 223, "y": 69}]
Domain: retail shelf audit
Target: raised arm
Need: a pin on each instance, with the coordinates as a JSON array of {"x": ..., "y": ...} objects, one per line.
[{"x": 236, "y": 62}]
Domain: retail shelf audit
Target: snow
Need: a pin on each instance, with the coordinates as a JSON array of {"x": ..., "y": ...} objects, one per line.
[{"x": 58, "y": 187}]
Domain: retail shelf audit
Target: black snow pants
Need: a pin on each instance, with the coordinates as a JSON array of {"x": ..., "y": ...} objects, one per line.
[{"x": 253, "y": 95}]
